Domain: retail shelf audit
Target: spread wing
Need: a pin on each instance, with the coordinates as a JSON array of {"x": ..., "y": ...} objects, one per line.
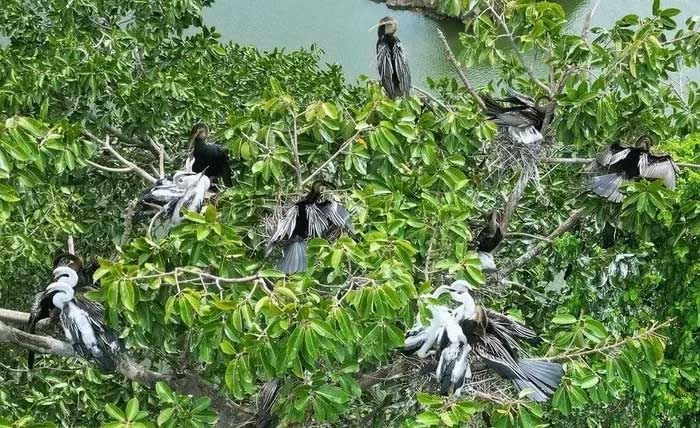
[
  {"x": 285, "y": 227},
  {"x": 401, "y": 67},
  {"x": 497, "y": 357},
  {"x": 337, "y": 215},
  {"x": 511, "y": 331},
  {"x": 612, "y": 155},
  {"x": 658, "y": 167},
  {"x": 318, "y": 222}
]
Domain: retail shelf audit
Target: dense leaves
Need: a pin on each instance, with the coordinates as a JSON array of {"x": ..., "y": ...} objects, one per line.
[{"x": 204, "y": 299}]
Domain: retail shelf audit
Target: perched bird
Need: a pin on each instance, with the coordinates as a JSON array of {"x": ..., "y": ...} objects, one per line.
[
  {"x": 522, "y": 119},
  {"x": 391, "y": 60},
  {"x": 487, "y": 240},
  {"x": 80, "y": 318},
  {"x": 267, "y": 396},
  {"x": 210, "y": 158},
  {"x": 621, "y": 163},
  {"x": 490, "y": 336},
  {"x": 171, "y": 193},
  {"x": 444, "y": 330},
  {"x": 311, "y": 217}
]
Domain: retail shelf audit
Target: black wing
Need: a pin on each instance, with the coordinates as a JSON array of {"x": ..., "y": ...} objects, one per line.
[
  {"x": 385, "y": 67},
  {"x": 42, "y": 308},
  {"x": 285, "y": 227},
  {"x": 403, "y": 73},
  {"x": 510, "y": 330}
]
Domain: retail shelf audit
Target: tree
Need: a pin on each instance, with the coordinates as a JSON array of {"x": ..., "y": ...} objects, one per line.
[{"x": 95, "y": 95}]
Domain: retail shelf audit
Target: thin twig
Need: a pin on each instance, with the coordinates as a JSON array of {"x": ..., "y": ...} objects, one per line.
[
  {"x": 587, "y": 21},
  {"x": 574, "y": 217},
  {"x": 295, "y": 153},
  {"x": 460, "y": 72},
  {"x": 433, "y": 98},
  {"x": 519, "y": 54},
  {"x": 132, "y": 166},
  {"x": 330, "y": 159}
]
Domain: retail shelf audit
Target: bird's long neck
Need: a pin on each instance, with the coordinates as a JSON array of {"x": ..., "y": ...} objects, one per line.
[{"x": 64, "y": 293}]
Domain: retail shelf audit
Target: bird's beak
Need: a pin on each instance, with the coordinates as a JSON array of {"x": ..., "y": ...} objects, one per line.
[{"x": 375, "y": 26}]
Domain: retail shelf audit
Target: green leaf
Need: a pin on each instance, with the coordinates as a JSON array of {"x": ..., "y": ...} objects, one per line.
[
  {"x": 132, "y": 409},
  {"x": 165, "y": 415},
  {"x": 564, "y": 319},
  {"x": 115, "y": 412}
]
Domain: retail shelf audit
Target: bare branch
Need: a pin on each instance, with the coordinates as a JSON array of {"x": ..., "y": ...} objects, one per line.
[
  {"x": 123, "y": 137},
  {"x": 128, "y": 164},
  {"x": 460, "y": 72},
  {"x": 295, "y": 153},
  {"x": 39, "y": 344},
  {"x": 515, "y": 195},
  {"x": 587, "y": 21},
  {"x": 107, "y": 168},
  {"x": 433, "y": 98},
  {"x": 161, "y": 156},
  {"x": 574, "y": 217}
]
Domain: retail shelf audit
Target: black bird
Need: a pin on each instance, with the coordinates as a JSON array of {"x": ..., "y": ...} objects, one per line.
[
  {"x": 522, "y": 118},
  {"x": 80, "y": 318},
  {"x": 311, "y": 217},
  {"x": 630, "y": 163},
  {"x": 267, "y": 396},
  {"x": 173, "y": 192},
  {"x": 391, "y": 60},
  {"x": 487, "y": 240},
  {"x": 210, "y": 158},
  {"x": 492, "y": 337}
]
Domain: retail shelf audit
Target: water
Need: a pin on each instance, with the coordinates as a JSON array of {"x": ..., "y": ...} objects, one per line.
[{"x": 341, "y": 27}]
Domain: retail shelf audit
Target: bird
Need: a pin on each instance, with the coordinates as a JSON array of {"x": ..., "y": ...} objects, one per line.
[
  {"x": 267, "y": 396},
  {"x": 444, "y": 330},
  {"x": 492, "y": 337},
  {"x": 522, "y": 119},
  {"x": 619, "y": 163},
  {"x": 487, "y": 240},
  {"x": 394, "y": 72},
  {"x": 209, "y": 157},
  {"x": 80, "y": 318},
  {"x": 173, "y": 192},
  {"x": 311, "y": 217}
]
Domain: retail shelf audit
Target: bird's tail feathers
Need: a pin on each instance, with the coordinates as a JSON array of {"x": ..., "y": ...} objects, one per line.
[
  {"x": 543, "y": 378},
  {"x": 294, "y": 258}
]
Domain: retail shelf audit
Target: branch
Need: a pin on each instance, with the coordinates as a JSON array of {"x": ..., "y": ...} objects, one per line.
[
  {"x": 125, "y": 138},
  {"x": 295, "y": 153},
  {"x": 33, "y": 342},
  {"x": 515, "y": 195},
  {"x": 216, "y": 279},
  {"x": 638, "y": 336},
  {"x": 568, "y": 224},
  {"x": 433, "y": 98},
  {"x": 340, "y": 150},
  {"x": 460, "y": 72},
  {"x": 587, "y": 21},
  {"x": 128, "y": 164}
]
